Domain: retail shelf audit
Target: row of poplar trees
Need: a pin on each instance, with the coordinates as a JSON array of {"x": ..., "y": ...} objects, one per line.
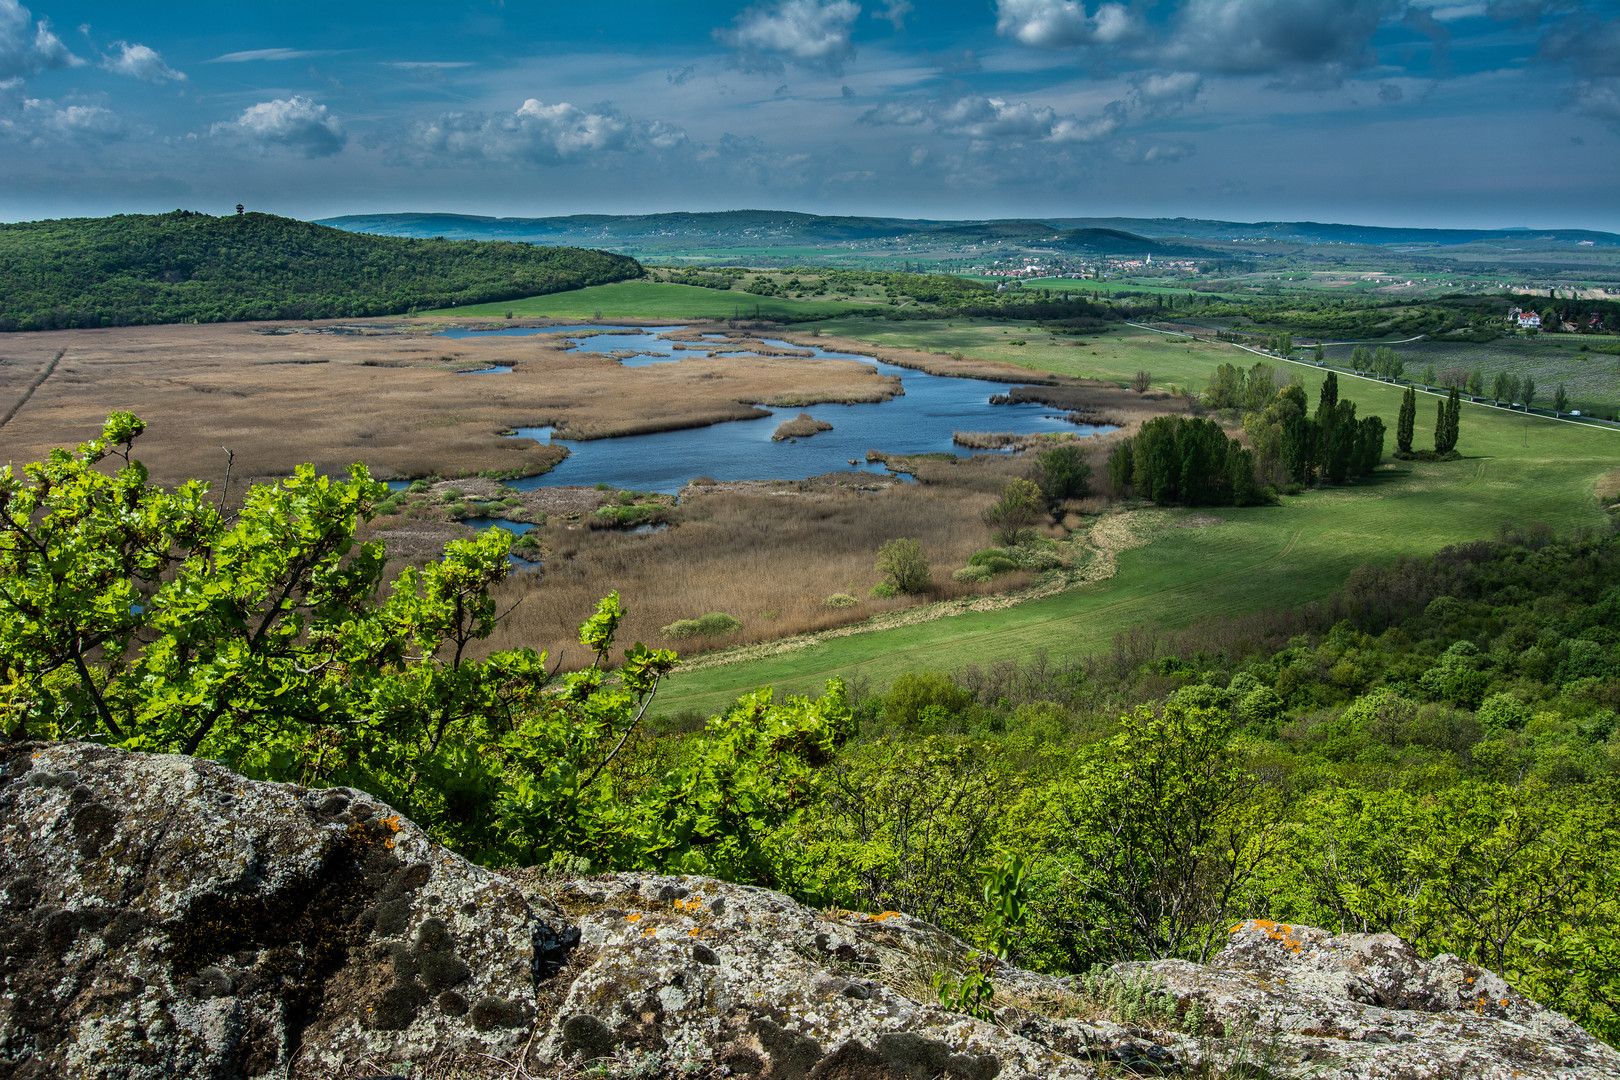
[{"x": 1445, "y": 423}]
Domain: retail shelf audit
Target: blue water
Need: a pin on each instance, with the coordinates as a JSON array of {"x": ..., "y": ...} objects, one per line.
[
  {"x": 495, "y": 369},
  {"x": 516, "y": 528},
  {"x": 920, "y": 421}
]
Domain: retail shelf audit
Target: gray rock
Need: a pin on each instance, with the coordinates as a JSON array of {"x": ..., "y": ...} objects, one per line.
[{"x": 163, "y": 917}]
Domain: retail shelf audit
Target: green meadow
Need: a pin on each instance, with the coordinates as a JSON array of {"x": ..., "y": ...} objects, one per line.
[{"x": 1516, "y": 470}]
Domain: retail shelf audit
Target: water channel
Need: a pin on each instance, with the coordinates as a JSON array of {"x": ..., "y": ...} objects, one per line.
[{"x": 920, "y": 421}]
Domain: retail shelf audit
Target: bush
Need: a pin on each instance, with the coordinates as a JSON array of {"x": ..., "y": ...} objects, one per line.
[
  {"x": 840, "y": 600},
  {"x": 884, "y": 591},
  {"x": 714, "y": 624},
  {"x": 997, "y": 560},
  {"x": 1012, "y": 518},
  {"x": 718, "y": 624},
  {"x": 1062, "y": 473},
  {"x": 919, "y": 694},
  {"x": 973, "y": 575},
  {"x": 1041, "y": 555},
  {"x": 904, "y": 567}
]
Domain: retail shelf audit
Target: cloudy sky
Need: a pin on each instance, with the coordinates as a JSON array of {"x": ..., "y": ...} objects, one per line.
[{"x": 1484, "y": 113}]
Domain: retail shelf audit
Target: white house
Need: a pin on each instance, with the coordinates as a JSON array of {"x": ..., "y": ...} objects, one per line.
[{"x": 1529, "y": 320}]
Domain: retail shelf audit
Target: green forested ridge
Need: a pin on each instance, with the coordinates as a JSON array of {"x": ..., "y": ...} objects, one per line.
[
  {"x": 1434, "y": 751},
  {"x": 133, "y": 269}
]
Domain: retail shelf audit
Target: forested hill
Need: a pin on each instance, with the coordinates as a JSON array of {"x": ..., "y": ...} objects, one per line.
[{"x": 184, "y": 266}]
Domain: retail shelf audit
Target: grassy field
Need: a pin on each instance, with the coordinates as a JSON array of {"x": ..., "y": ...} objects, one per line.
[
  {"x": 654, "y": 300},
  {"x": 1115, "y": 355},
  {"x": 1592, "y": 378},
  {"x": 1514, "y": 473}
]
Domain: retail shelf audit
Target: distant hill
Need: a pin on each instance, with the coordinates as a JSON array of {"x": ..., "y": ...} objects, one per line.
[
  {"x": 1315, "y": 232},
  {"x": 650, "y": 233},
  {"x": 183, "y": 266}
]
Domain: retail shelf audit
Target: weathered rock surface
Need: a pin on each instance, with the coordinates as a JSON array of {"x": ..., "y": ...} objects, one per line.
[
  {"x": 160, "y": 916},
  {"x": 163, "y": 917}
]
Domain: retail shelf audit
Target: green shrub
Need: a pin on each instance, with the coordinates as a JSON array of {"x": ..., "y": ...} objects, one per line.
[
  {"x": 714, "y": 624},
  {"x": 884, "y": 591},
  {"x": 1036, "y": 556},
  {"x": 451, "y": 494},
  {"x": 840, "y": 600},
  {"x": 973, "y": 575},
  {"x": 904, "y": 566},
  {"x": 718, "y": 624},
  {"x": 627, "y": 498},
  {"x": 917, "y": 695}
]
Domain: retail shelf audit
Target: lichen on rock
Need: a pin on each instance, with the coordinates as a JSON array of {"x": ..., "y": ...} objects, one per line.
[{"x": 163, "y": 917}]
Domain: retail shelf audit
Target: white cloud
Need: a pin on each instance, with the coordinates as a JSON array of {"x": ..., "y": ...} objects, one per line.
[
  {"x": 1153, "y": 153},
  {"x": 902, "y": 113},
  {"x": 895, "y": 12},
  {"x": 995, "y": 119},
  {"x": 296, "y": 123},
  {"x": 809, "y": 33},
  {"x": 249, "y": 55},
  {"x": 537, "y": 132},
  {"x": 27, "y": 47},
  {"x": 1174, "y": 88},
  {"x": 140, "y": 62},
  {"x": 1063, "y": 24},
  {"x": 1599, "y": 98},
  {"x": 40, "y": 121}
]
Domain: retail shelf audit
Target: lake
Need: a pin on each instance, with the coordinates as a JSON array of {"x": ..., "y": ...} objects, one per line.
[{"x": 918, "y": 422}]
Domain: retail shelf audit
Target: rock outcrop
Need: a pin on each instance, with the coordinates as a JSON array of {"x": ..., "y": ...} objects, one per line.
[{"x": 161, "y": 916}]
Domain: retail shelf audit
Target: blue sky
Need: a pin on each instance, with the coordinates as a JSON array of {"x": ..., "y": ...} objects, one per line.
[{"x": 1481, "y": 113}]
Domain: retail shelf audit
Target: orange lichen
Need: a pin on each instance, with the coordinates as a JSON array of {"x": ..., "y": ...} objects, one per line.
[{"x": 634, "y": 916}]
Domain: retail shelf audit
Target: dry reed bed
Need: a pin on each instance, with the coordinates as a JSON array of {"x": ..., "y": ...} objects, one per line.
[
  {"x": 1009, "y": 440},
  {"x": 800, "y": 427},
  {"x": 391, "y": 400},
  {"x": 770, "y": 561}
]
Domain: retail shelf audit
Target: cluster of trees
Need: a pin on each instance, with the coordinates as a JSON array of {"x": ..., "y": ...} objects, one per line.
[
  {"x": 1231, "y": 387},
  {"x": 1294, "y": 446},
  {"x": 1178, "y": 459},
  {"x": 133, "y": 269},
  {"x": 1382, "y": 361},
  {"x": 1506, "y": 387}
]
